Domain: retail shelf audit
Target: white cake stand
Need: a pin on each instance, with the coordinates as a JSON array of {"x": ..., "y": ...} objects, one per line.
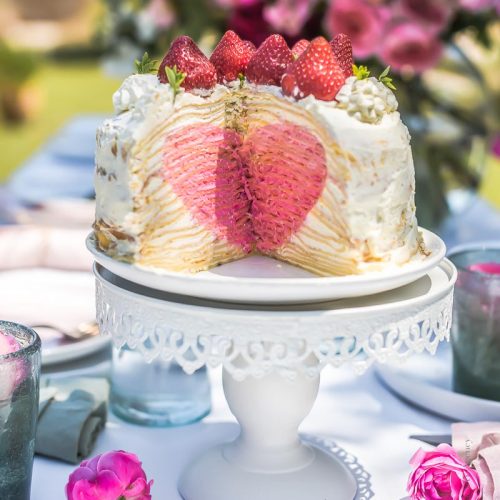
[{"x": 272, "y": 357}]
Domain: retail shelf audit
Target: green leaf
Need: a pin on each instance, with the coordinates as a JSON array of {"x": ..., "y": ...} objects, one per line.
[
  {"x": 175, "y": 78},
  {"x": 360, "y": 72},
  {"x": 145, "y": 65},
  {"x": 386, "y": 79},
  {"x": 384, "y": 73}
]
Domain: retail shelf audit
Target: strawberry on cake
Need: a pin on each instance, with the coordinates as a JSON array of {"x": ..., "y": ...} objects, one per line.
[{"x": 270, "y": 150}]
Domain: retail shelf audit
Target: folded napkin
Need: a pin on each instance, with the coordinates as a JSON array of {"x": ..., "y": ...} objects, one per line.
[
  {"x": 72, "y": 413},
  {"x": 478, "y": 444}
]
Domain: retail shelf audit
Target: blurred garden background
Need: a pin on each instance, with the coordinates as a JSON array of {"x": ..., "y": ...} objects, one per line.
[{"x": 63, "y": 58}]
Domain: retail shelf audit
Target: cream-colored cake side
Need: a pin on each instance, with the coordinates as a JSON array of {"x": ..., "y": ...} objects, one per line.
[
  {"x": 363, "y": 220},
  {"x": 138, "y": 216}
]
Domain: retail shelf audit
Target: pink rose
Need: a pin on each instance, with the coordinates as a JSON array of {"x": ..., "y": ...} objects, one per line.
[
  {"x": 410, "y": 47},
  {"x": 289, "y": 16},
  {"x": 114, "y": 475},
  {"x": 433, "y": 14},
  {"x": 441, "y": 474},
  {"x": 363, "y": 22}
]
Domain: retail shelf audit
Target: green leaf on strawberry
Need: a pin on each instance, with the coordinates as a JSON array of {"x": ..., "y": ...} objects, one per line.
[
  {"x": 175, "y": 78},
  {"x": 145, "y": 65}
]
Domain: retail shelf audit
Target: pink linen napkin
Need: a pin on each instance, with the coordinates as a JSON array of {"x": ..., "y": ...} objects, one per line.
[
  {"x": 478, "y": 444},
  {"x": 44, "y": 246}
]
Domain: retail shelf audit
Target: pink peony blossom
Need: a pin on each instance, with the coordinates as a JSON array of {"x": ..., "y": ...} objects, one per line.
[
  {"x": 114, "y": 475},
  {"x": 441, "y": 474},
  {"x": 433, "y": 14},
  {"x": 364, "y": 23},
  {"x": 410, "y": 47},
  {"x": 288, "y": 16}
]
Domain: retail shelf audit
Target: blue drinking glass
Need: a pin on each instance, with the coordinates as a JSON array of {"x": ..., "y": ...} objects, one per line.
[
  {"x": 19, "y": 392},
  {"x": 157, "y": 394}
]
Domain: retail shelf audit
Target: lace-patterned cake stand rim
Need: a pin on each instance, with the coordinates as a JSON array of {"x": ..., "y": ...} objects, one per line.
[
  {"x": 272, "y": 358},
  {"x": 259, "y": 279}
]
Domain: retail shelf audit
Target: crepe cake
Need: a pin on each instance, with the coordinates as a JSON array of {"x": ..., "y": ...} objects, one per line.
[{"x": 273, "y": 151}]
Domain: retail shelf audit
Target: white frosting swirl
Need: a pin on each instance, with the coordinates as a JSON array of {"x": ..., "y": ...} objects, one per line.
[
  {"x": 366, "y": 100},
  {"x": 133, "y": 89}
]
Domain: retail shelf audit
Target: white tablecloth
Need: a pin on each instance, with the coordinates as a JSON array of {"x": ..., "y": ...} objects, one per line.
[{"x": 359, "y": 413}]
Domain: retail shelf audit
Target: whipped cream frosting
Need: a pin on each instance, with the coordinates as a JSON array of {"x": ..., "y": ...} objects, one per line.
[
  {"x": 379, "y": 212},
  {"x": 367, "y": 100}
]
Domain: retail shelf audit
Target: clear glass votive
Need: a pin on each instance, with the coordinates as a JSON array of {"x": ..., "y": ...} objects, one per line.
[
  {"x": 476, "y": 322},
  {"x": 157, "y": 394},
  {"x": 19, "y": 391}
]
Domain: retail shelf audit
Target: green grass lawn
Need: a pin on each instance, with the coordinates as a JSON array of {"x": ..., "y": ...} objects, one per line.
[
  {"x": 70, "y": 89},
  {"x": 66, "y": 90}
]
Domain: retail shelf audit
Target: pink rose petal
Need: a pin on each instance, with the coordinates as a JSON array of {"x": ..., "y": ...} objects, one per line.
[{"x": 110, "y": 476}]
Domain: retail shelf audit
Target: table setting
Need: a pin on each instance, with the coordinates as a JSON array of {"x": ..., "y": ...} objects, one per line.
[{"x": 267, "y": 271}]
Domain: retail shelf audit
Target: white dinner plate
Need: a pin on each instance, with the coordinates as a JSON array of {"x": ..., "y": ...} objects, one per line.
[
  {"x": 258, "y": 279},
  {"x": 61, "y": 299},
  {"x": 63, "y": 352},
  {"x": 425, "y": 381}
]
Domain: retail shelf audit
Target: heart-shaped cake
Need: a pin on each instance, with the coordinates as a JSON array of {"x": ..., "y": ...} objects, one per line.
[{"x": 273, "y": 151}]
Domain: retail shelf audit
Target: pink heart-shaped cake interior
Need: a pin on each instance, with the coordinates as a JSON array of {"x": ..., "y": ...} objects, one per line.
[{"x": 253, "y": 191}]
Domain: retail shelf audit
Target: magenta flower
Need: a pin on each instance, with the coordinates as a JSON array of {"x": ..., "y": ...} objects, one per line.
[
  {"x": 410, "y": 47},
  {"x": 115, "y": 475},
  {"x": 433, "y": 14},
  {"x": 288, "y": 16},
  {"x": 441, "y": 474},
  {"x": 364, "y": 23}
]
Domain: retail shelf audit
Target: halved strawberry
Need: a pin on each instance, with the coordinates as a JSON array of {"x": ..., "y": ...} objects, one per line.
[
  {"x": 231, "y": 56},
  {"x": 299, "y": 47},
  {"x": 189, "y": 59},
  {"x": 315, "y": 72},
  {"x": 342, "y": 48},
  {"x": 269, "y": 63}
]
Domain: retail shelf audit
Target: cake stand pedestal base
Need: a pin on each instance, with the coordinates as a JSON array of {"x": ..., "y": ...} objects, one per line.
[
  {"x": 268, "y": 461},
  {"x": 212, "y": 477}
]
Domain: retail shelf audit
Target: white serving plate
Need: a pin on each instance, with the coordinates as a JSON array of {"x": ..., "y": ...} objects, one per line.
[
  {"x": 425, "y": 381},
  {"x": 59, "y": 298},
  {"x": 62, "y": 353},
  {"x": 263, "y": 280}
]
